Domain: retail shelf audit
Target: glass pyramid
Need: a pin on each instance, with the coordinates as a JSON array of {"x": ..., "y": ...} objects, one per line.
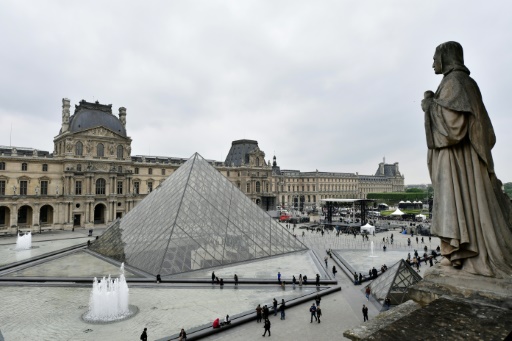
[
  {"x": 196, "y": 219},
  {"x": 394, "y": 283}
]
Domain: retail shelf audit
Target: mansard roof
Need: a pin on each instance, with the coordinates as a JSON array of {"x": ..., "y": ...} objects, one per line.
[
  {"x": 239, "y": 152},
  {"x": 90, "y": 115}
]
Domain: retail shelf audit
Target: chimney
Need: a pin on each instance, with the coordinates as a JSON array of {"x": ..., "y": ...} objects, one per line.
[
  {"x": 122, "y": 116},
  {"x": 65, "y": 115}
]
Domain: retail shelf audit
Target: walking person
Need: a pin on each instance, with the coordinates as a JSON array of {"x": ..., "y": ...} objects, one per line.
[
  {"x": 334, "y": 271},
  {"x": 294, "y": 280},
  {"x": 365, "y": 313},
  {"x": 236, "y": 280},
  {"x": 367, "y": 292},
  {"x": 325, "y": 260},
  {"x": 213, "y": 277},
  {"x": 258, "y": 313},
  {"x": 300, "y": 280},
  {"x": 387, "y": 303},
  {"x": 265, "y": 312},
  {"x": 274, "y": 304},
  {"x": 312, "y": 310},
  {"x": 267, "y": 327},
  {"x": 317, "y": 300},
  {"x": 279, "y": 277},
  {"x": 317, "y": 282},
  {"x": 318, "y": 313},
  {"x": 183, "y": 335},
  {"x": 144, "y": 335},
  {"x": 282, "y": 309}
]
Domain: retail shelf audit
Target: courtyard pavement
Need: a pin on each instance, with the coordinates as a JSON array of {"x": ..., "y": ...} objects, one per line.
[{"x": 341, "y": 310}]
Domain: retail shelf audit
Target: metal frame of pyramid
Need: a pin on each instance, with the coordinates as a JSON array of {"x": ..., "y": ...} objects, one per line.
[
  {"x": 194, "y": 220},
  {"x": 394, "y": 283}
]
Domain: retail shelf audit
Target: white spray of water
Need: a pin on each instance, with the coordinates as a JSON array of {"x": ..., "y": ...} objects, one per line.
[
  {"x": 24, "y": 242},
  {"x": 109, "y": 299}
]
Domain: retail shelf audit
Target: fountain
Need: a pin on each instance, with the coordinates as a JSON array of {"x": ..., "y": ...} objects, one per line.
[
  {"x": 109, "y": 300},
  {"x": 24, "y": 242},
  {"x": 371, "y": 250}
]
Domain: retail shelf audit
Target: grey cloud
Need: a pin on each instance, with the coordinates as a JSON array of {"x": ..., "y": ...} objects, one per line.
[{"x": 328, "y": 85}]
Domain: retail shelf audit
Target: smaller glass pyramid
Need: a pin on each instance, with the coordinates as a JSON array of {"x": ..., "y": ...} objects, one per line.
[
  {"x": 196, "y": 219},
  {"x": 394, "y": 283}
]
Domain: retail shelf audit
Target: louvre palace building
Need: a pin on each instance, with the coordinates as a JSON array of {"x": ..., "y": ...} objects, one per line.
[{"x": 91, "y": 179}]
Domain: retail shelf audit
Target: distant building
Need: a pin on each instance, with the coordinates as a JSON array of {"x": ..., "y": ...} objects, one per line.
[{"x": 91, "y": 178}]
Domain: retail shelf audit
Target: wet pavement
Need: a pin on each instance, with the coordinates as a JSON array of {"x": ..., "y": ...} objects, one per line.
[{"x": 54, "y": 310}]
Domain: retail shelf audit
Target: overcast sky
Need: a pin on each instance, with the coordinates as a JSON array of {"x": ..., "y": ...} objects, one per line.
[{"x": 327, "y": 85}]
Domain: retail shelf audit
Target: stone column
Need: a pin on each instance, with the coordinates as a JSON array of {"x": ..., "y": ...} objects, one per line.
[
  {"x": 14, "y": 215},
  {"x": 86, "y": 213},
  {"x": 70, "y": 213},
  {"x": 36, "y": 214}
]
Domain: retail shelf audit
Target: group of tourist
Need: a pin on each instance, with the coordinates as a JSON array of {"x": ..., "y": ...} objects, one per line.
[
  {"x": 262, "y": 313},
  {"x": 181, "y": 337}
]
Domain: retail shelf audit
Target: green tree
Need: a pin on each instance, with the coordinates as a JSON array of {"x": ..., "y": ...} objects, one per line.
[
  {"x": 508, "y": 189},
  {"x": 414, "y": 190}
]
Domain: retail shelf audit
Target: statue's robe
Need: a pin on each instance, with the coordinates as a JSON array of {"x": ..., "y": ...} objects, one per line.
[{"x": 470, "y": 214}]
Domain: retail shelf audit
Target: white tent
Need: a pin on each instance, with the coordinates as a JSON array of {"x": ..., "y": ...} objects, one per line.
[
  {"x": 368, "y": 228},
  {"x": 397, "y": 212},
  {"x": 421, "y": 216}
]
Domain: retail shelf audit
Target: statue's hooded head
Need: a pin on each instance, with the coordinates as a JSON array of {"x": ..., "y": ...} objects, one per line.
[{"x": 449, "y": 56}]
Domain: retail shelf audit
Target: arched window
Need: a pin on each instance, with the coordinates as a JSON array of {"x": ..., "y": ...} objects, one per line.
[
  {"x": 45, "y": 167},
  {"x": 120, "y": 152},
  {"x": 258, "y": 187},
  {"x": 24, "y": 166},
  {"x": 100, "y": 150},
  {"x": 248, "y": 187},
  {"x": 257, "y": 162},
  {"x": 79, "y": 148},
  {"x": 267, "y": 188},
  {"x": 100, "y": 186},
  {"x": 2, "y": 165}
]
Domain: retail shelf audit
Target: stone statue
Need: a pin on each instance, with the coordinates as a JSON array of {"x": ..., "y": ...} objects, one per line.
[
  {"x": 88, "y": 146},
  {"x": 471, "y": 214}
]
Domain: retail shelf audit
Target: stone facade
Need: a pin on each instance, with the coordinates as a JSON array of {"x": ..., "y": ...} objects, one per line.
[{"x": 91, "y": 178}]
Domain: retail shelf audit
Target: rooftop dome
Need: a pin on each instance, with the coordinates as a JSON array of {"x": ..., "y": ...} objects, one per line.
[{"x": 90, "y": 115}]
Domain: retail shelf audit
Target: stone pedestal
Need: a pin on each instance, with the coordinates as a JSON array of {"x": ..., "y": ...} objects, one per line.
[
  {"x": 447, "y": 281},
  {"x": 447, "y": 304}
]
